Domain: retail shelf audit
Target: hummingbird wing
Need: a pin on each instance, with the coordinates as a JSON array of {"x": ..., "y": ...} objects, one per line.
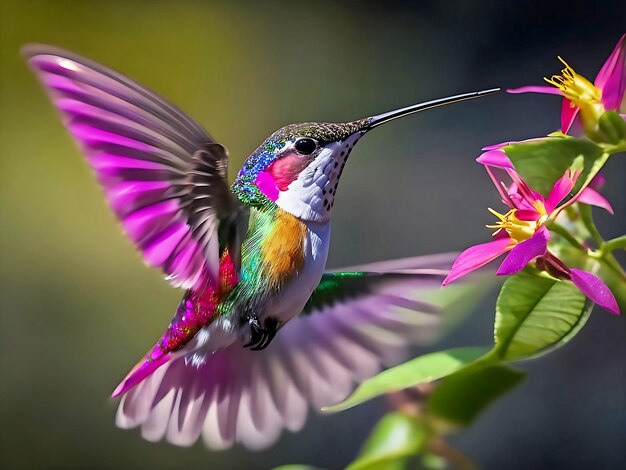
[
  {"x": 356, "y": 321},
  {"x": 163, "y": 175}
]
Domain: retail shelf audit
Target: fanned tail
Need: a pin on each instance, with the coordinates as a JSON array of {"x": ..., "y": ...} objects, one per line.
[
  {"x": 363, "y": 321},
  {"x": 197, "y": 310}
]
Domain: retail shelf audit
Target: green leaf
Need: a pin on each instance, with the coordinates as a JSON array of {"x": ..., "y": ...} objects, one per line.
[
  {"x": 542, "y": 162},
  {"x": 420, "y": 370},
  {"x": 395, "y": 438},
  {"x": 613, "y": 127},
  {"x": 461, "y": 397},
  {"x": 535, "y": 314},
  {"x": 615, "y": 282}
]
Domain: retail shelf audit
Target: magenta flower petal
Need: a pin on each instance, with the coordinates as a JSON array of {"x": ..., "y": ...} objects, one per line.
[
  {"x": 504, "y": 192},
  {"x": 536, "y": 89},
  {"x": 525, "y": 252},
  {"x": 497, "y": 146},
  {"x": 594, "y": 288},
  {"x": 568, "y": 115},
  {"x": 527, "y": 214},
  {"x": 560, "y": 190},
  {"x": 612, "y": 76},
  {"x": 592, "y": 197},
  {"x": 511, "y": 142},
  {"x": 597, "y": 182},
  {"x": 525, "y": 208},
  {"x": 495, "y": 158},
  {"x": 529, "y": 196},
  {"x": 477, "y": 256}
]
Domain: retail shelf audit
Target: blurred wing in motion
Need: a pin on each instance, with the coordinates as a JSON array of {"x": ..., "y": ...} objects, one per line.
[
  {"x": 163, "y": 175},
  {"x": 354, "y": 323}
]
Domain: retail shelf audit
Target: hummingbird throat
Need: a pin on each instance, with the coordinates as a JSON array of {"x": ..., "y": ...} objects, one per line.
[{"x": 306, "y": 187}]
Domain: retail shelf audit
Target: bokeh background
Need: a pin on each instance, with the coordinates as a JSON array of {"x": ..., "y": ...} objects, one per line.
[{"x": 79, "y": 308}]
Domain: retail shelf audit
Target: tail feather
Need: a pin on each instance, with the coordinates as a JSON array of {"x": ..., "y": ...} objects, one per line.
[{"x": 241, "y": 396}]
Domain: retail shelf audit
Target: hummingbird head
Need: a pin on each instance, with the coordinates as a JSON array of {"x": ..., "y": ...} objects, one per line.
[{"x": 299, "y": 166}]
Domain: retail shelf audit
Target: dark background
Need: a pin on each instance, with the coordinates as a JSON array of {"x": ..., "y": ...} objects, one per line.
[{"x": 78, "y": 307}]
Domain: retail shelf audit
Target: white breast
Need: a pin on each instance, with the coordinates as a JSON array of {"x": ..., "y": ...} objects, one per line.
[
  {"x": 311, "y": 196},
  {"x": 294, "y": 295},
  {"x": 288, "y": 303}
]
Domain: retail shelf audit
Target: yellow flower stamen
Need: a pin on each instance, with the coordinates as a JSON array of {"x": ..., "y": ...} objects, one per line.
[
  {"x": 539, "y": 207},
  {"x": 575, "y": 87},
  {"x": 518, "y": 230},
  {"x": 581, "y": 92}
]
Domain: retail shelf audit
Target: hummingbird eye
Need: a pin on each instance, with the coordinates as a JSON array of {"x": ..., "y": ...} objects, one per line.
[{"x": 305, "y": 146}]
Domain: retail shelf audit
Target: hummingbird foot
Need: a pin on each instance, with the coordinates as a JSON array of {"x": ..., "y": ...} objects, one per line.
[{"x": 261, "y": 335}]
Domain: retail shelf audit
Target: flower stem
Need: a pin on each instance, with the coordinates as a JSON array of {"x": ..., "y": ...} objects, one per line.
[
  {"x": 611, "y": 262},
  {"x": 450, "y": 454},
  {"x": 557, "y": 228},
  {"x": 603, "y": 253},
  {"x": 614, "y": 244},
  {"x": 612, "y": 149},
  {"x": 587, "y": 218}
]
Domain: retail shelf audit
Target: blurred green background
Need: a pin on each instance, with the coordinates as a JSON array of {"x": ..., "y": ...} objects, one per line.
[{"x": 79, "y": 308}]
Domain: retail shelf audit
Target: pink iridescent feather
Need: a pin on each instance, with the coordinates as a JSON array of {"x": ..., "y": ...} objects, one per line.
[
  {"x": 144, "y": 153},
  {"x": 139, "y": 147}
]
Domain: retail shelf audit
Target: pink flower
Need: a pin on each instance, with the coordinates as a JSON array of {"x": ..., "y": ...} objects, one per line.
[
  {"x": 494, "y": 156},
  {"x": 522, "y": 233},
  {"x": 591, "y": 194},
  {"x": 606, "y": 93}
]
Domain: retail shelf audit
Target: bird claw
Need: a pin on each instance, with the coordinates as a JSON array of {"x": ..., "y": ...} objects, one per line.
[{"x": 261, "y": 335}]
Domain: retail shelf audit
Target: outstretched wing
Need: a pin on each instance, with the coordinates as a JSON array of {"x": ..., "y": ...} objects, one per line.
[
  {"x": 355, "y": 322},
  {"x": 164, "y": 176}
]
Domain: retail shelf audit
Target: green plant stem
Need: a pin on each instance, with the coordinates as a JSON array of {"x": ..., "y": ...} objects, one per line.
[
  {"x": 566, "y": 235},
  {"x": 458, "y": 460},
  {"x": 603, "y": 254},
  {"x": 614, "y": 244},
  {"x": 587, "y": 218},
  {"x": 613, "y": 149},
  {"x": 608, "y": 259}
]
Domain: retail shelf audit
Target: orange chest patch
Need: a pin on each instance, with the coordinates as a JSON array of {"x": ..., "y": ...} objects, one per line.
[{"x": 283, "y": 249}]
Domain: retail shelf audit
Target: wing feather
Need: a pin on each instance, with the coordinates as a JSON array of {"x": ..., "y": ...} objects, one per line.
[
  {"x": 355, "y": 324},
  {"x": 163, "y": 175}
]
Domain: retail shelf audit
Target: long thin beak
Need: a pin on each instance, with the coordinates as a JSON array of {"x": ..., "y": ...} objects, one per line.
[{"x": 379, "y": 119}]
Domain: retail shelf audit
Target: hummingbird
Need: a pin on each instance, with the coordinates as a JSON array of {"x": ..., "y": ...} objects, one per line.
[{"x": 263, "y": 330}]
